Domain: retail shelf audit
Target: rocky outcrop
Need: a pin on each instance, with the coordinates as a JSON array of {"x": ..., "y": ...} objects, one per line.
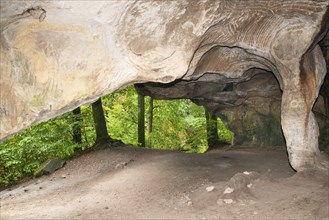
[
  {"x": 249, "y": 105},
  {"x": 57, "y": 55},
  {"x": 321, "y": 107},
  {"x": 321, "y": 111}
]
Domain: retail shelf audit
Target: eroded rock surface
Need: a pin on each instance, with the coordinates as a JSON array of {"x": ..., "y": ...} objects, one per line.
[
  {"x": 321, "y": 107},
  {"x": 57, "y": 55},
  {"x": 249, "y": 105}
]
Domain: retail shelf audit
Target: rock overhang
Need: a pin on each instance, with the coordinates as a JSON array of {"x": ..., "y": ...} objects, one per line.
[{"x": 58, "y": 55}]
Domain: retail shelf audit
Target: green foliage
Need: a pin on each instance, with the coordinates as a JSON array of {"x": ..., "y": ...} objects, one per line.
[
  {"x": 177, "y": 125},
  {"x": 23, "y": 153},
  {"x": 196, "y": 128},
  {"x": 120, "y": 111},
  {"x": 168, "y": 128},
  {"x": 224, "y": 134}
]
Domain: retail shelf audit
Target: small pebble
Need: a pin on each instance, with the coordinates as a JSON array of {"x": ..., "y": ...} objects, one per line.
[
  {"x": 26, "y": 190},
  {"x": 210, "y": 188},
  {"x": 228, "y": 190},
  {"x": 228, "y": 201}
]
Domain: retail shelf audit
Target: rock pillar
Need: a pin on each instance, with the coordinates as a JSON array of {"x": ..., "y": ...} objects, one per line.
[{"x": 301, "y": 86}]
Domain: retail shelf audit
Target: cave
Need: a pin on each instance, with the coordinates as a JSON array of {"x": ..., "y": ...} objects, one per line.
[
  {"x": 256, "y": 64},
  {"x": 237, "y": 70}
]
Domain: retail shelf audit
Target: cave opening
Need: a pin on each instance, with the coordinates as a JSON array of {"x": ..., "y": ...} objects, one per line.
[{"x": 249, "y": 105}]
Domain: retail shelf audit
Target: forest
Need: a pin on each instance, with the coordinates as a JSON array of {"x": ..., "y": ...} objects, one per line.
[{"x": 128, "y": 117}]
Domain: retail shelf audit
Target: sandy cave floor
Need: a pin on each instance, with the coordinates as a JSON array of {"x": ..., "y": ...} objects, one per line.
[{"x": 136, "y": 183}]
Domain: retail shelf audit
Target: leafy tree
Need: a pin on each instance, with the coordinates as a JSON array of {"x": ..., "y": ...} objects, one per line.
[
  {"x": 150, "y": 115},
  {"x": 100, "y": 123},
  {"x": 77, "y": 130},
  {"x": 141, "y": 120},
  {"x": 23, "y": 153},
  {"x": 212, "y": 134},
  {"x": 121, "y": 110}
]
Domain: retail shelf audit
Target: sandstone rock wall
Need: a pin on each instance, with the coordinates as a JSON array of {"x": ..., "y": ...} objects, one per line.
[{"x": 321, "y": 107}]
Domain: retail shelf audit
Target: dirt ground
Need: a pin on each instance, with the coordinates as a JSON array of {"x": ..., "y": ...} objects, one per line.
[{"x": 136, "y": 183}]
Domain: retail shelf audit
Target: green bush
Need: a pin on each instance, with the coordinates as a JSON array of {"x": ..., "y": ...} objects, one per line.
[
  {"x": 224, "y": 134},
  {"x": 21, "y": 154}
]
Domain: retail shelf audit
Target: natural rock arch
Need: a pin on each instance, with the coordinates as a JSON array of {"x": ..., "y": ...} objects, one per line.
[
  {"x": 249, "y": 105},
  {"x": 58, "y": 55}
]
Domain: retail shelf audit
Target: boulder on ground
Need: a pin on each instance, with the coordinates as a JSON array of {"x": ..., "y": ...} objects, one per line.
[{"x": 49, "y": 167}]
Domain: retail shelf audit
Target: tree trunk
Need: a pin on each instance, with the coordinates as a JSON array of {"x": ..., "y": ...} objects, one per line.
[
  {"x": 100, "y": 123},
  {"x": 212, "y": 135},
  {"x": 77, "y": 133},
  {"x": 150, "y": 116},
  {"x": 141, "y": 120}
]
